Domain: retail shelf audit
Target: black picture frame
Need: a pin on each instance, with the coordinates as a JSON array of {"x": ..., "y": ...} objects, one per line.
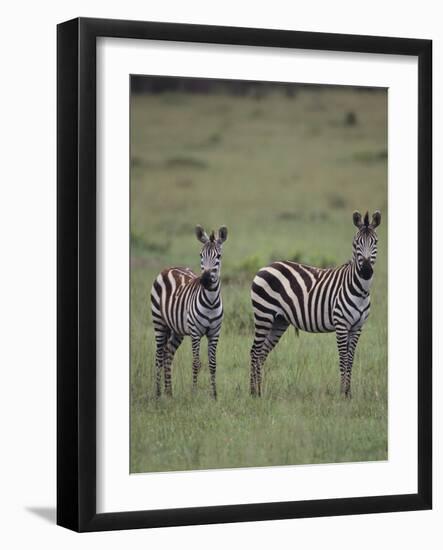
[{"x": 76, "y": 279}]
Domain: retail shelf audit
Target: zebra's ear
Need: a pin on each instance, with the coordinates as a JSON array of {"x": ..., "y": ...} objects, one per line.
[
  {"x": 222, "y": 234},
  {"x": 356, "y": 218},
  {"x": 376, "y": 219},
  {"x": 201, "y": 234}
]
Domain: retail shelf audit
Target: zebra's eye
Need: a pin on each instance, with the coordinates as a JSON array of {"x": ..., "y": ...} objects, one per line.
[{"x": 218, "y": 256}]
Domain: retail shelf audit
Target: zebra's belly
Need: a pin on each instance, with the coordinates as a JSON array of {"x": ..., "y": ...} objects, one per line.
[
  {"x": 353, "y": 320},
  {"x": 177, "y": 325},
  {"x": 310, "y": 319},
  {"x": 316, "y": 328},
  {"x": 176, "y": 318},
  {"x": 319, "y": 329}
]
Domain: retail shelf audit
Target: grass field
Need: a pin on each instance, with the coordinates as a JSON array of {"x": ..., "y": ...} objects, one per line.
[{"x": 284, "y": 174}]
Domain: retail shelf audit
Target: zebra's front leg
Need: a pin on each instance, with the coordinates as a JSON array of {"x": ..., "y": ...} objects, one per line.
[
  {"x": 212, "y": 352},
  {"x": 352, "y": 344},
  {"x": 342, "y": 335},
  {"x": 196, "y": 364}
]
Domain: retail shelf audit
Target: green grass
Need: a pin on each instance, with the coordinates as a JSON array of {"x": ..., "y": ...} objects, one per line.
[{"x": 284, "y": 175}]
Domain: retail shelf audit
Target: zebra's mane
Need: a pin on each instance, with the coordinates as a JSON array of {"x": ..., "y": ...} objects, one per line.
[
  {"x": 366, "y": 226},
  {"x": 366, "y": 229}
]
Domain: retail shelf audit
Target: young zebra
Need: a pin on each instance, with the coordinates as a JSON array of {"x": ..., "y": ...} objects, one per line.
[
  {"x": 184, "y": 304},
  {"x": 315, "y": 300}
]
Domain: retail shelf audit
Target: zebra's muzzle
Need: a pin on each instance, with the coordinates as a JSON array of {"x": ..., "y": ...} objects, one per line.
[
  {"x": 366, "y": 270},
  {"x": 206, "y": 279}
]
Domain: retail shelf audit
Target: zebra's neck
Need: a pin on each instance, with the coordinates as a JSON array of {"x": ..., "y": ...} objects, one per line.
[{"x": 211, "y": 295}]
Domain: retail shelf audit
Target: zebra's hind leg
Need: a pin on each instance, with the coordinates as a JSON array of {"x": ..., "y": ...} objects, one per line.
[
  {"x": 255, "y": 353},
  {"x": 173, "y": 343},
  {"x": 253, "y": 373},
  {"x": 267, "y": 335},
  {"x": 161, "y": 339},
  {"x": 263, "y": 324},
  {"x": 277, "y": 330}
]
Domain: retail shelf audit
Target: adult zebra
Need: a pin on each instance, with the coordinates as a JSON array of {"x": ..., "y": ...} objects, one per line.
[
  {"x": 184, "y": 304},
  {"x": 315, "y": 300}
]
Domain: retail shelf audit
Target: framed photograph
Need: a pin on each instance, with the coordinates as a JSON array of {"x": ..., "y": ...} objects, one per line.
[{"x": 244, "y": 274}]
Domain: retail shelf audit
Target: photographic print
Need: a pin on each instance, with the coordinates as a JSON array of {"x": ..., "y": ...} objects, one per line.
[
  {"x": 224, "y": 349},
  {"x": 258, "y": 274}
]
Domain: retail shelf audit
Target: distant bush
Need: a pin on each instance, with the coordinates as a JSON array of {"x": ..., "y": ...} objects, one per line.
[
  {"x": 336, "y": 201},
  {"x": 214, "y": 139},
  {"x": 350, "y": 119},
  {"x": 297, "y": 258}
]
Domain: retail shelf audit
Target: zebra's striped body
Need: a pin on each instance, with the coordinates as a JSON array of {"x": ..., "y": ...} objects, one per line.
[
  {"x": 315, "y": 300},
  {"x": 184, "y": 304}
]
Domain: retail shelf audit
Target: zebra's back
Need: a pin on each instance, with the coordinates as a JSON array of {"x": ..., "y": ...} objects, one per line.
[
  {"x": 170, "y": 295},
  {"x": 302, "y": 295}
]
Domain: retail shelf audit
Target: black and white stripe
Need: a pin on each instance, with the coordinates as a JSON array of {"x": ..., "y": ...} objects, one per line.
[
  {"x": 184, "y": 304},
  {"x": 315, "y": 300}
]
